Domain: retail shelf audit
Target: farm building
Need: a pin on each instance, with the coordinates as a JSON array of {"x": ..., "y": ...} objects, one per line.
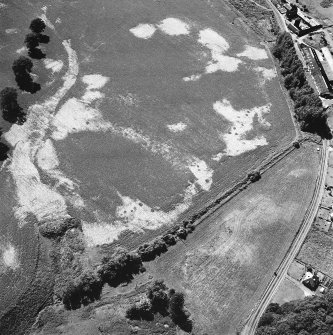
[
  {"x": 328, "y": 63},
  {"x": 300, "y": 23},
  {"x": 317, "y": 70},
  {"x": 293, "y": 29},
  {"x": 312, "y": 23}
]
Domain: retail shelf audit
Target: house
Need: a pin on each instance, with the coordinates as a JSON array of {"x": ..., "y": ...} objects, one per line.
[{"x": 312, "y": 283}]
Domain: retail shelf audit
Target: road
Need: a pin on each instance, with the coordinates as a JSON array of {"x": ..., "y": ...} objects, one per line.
[
  {"x": 278, "y": 15},
  {"x": 252, "y": 322},
  {"x": 281, "y": 272}
]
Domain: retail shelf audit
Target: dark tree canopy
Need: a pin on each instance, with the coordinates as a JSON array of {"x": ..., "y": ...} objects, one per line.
[
  {"x": 22, "y": 68},
  {"x": 115, "y": 271},
  {"x": 309, "y": 110},
  {"x": 22, "y": 65},
  {"x": 32, "y": 41},
  {"x": 177, "y": 312},
  {"x": 85, "y": 289},
  {"x": 37, "y": 25},
  {"x": 11, "y": 111},
  {"x": 43, "y": 38},
  {"x": 158, "y": 297},
  {"x": 36, "y": 53},
  {"x": 312, "y": 315},
  {"x": 3, "y": 151}
]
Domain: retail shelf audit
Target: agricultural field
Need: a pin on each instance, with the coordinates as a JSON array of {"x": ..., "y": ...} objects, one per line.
[
  {"x": 224, "y": 266},
  {"x": 147, "y": 110},
  {"x": 317, "y": 251},
  {"x": 290, "y": 290},
  {"x": 228, "y": 261},
  {"x": 147, "y": 115}
]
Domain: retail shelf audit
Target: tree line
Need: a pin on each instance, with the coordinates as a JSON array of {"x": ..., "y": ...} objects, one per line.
[
  {"x": 308, "y": 107},
  {"x": 114, "y": 269},
  {"x": 22, "y": 68},
  {"x": 312, "y": 315}
]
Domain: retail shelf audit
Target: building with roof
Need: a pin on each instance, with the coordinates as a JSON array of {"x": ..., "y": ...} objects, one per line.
[
  {"x": 312, "y": 283},
  {"x": 328, "y": 63},
  {"x": 316, "y": 68},
  {"x": 300, "y": 23}
]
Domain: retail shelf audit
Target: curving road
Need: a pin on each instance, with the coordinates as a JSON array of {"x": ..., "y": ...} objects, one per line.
[
  {"x": 281, "y": 272},
  {"x": 252, "y": 322},
  {"x": 281, "y": 21}
]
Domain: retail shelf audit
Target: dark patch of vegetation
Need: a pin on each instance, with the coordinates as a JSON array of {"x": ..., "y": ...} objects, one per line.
[
  {"x": 120, "y": 269},
  {"x": 32, "y": 40},
  {"x": 4, "y": 149},
  {"x": 149, "y": 251},
  {"x": 158, "y": 297},
  {"x": 179, "y": 315},
  {"x": 86, "y": 286},
  {"x": 56, "y": 229},
  {"x": 159, "y": 300},
  {"x": 254, "y": 176},
  {"x": 11, "y": 111},
  {"x": 83, "y": 290},
  {"x": 296, "y": 144},
  {"x": 37, "y": 25},
  {"x": 22, "y": 68},
  {"x": 36, "y": 53},
  {"x": 140, "y": 311},
  {"x": 309, "y": 110},
  {"x": 312, "y": 315}
]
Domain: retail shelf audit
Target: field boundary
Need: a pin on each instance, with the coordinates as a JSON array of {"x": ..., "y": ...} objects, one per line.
[{"x": 242, "y": 184}]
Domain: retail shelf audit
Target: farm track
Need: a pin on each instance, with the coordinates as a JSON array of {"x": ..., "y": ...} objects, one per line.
[{"x": 310, "y": 214}]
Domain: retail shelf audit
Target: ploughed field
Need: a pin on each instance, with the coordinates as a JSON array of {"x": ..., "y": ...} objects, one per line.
[{"x": 146, "y": 108}]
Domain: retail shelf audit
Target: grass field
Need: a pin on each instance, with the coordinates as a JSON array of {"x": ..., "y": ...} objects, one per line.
[
  {"x": 227, "y": 262},
  {"x": 317, "y": 250},
  {"x": 152, "y": 121},
  {"x": 288, "y": 291},
  {"x": 147, "y": 109}
]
